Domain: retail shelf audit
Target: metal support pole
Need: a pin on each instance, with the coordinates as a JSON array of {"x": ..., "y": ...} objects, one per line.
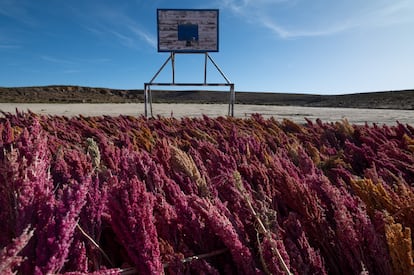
[
  {"x": 232, "y": 100},
  {"x": 162, "y": 67},
  {"x": 145, "y": 99},
  {"x": 150, "y": 99},
  {"x": 217, "y": 67},
  {"x": 205, "y": 68},
  {"x": 173, "y": 66},
  {"x": 147, "y": 86}
]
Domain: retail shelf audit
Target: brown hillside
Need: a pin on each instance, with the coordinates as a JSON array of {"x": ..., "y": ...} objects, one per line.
[{"x": 76, "y": 94}]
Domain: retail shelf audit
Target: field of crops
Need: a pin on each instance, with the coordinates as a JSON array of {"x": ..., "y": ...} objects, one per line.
[{"x": 131, "y": 195}]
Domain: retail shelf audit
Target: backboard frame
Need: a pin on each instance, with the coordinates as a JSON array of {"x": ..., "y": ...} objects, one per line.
[{"x": 205, "y": 38}]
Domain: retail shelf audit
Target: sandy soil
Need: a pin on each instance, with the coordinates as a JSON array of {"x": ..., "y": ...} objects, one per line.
[{"x": 297, "y": 114}]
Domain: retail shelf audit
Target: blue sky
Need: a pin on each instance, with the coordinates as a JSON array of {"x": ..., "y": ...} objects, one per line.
[{"x": 295, "y": 46}]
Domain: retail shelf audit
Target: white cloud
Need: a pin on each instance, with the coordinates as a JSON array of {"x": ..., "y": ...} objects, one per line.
[
  {"x": 123, "y": 39},
  {"x": 10, "y": 46},
  {"x": 132, "y": 28},
  {"x": 17, "y": 10},
  {"x": 115, "y": 22},
  {"x": 242, "y": 6},
  {"x": 74, "y": 61},
  {"x": 72, "y": 71},
  {"x": 57, "y": 60},
  {"x": 328, "y": 20},
  {"x": 391, "y": 13},
  {"x": 143, "y": 35},
  {"x": 286, "y": 33},
  {"x": 7, "y": 43},
  {"x": 94, "y": 60}
]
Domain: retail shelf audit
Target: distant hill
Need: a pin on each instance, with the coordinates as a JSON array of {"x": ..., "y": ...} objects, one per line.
[{"x": 403, "y": 99}]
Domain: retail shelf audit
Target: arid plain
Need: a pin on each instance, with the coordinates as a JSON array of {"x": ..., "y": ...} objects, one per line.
[{"x": 377, "y": 107}]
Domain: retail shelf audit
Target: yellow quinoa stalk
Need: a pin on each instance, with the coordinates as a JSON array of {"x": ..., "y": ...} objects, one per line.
[
  {"x": 410, "y": 142},
  {"x": 373, "y": 195},
  {"x": 94, "y": 153},
  {"x": 345, "y": 127},
  {"x": 184, "y": 163},
  {"x": 313, "y": 153},
  {"x": 376, "y": 197},
  {"x": 400, "y": 246}
]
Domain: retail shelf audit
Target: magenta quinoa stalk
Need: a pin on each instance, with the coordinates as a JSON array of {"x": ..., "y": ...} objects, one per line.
[{"x": 124, "y": 195}]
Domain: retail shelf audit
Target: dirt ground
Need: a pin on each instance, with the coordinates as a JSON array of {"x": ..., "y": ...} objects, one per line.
[{"x": 297, "y": 114}]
